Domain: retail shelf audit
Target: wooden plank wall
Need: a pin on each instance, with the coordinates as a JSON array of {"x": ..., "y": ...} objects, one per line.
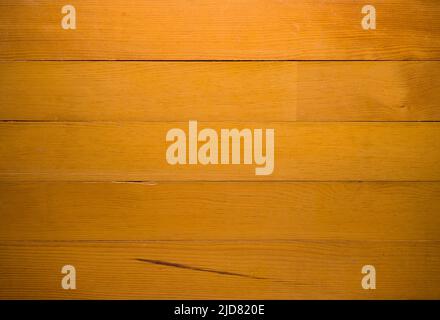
[
  {"x": 233, "y": 30},
  {"x": 83, "y": 174}
]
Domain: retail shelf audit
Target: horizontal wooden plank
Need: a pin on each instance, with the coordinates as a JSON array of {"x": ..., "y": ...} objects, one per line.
[
  {"x": 148, "y": 91},
  {"x": 209, "y": 29},
  {"x": 368, "y": 91},
  {"x": 220, "y": 211},
  {"x": 248, "y": 270},
  {"x": 220, "y": 91},
  {"x": 137, "y": 151}
]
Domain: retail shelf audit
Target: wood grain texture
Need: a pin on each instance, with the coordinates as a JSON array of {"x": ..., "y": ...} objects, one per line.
[
  {"x": 84, "y": 178},
  {"x": 148, "y": 91},
  {"x": 136, "y": 151},
  {"x": 220, "y": 91},
  {"x": 368, "y": 91},
  {"x": 220, "y": 211},
  {"x": 208, "y": 29},
  {"x": 226, "y": 270}
]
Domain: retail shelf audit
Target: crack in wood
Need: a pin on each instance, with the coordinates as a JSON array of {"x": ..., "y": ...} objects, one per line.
[{"x": 184, "y": 266}]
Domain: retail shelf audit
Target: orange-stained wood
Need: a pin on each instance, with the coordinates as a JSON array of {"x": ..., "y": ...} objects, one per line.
[
  {"x": 209, "y": 29},
  {"x": 221, "y": 270},
  {"x": 84, "y": 179},
  {"x": 220, "y": 211},
  {"x": 220, "y": 91},
  {"x": 137, "y": 152}
]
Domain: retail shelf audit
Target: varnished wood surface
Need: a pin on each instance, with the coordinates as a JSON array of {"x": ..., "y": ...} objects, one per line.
[
  {"x": 220, "y": 91},
  {"x": 219, "y": 270},
  {"x": 220, "y": 211},
  {"x": 136, "y": 152},
  {"x": 83, "y": 175},
  {"x": 209, "y": 30}
]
